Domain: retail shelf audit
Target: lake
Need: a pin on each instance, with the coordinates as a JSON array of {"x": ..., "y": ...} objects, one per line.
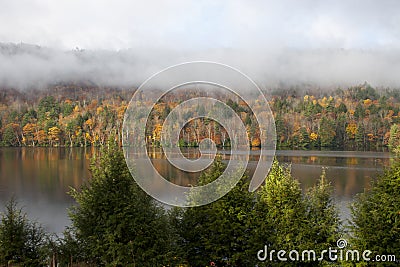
[{"x": 40, "y": 178}]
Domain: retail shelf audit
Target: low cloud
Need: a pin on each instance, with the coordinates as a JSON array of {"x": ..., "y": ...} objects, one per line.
[{"x": 24, "y": 66}]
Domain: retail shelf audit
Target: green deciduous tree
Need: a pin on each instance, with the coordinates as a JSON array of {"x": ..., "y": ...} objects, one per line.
[
  {"x": 8, "y": 137},
  {"x": 394, "y": 138}
]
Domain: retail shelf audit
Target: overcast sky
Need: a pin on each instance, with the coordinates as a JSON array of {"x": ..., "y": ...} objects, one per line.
[{"x": 322, "y": 42}]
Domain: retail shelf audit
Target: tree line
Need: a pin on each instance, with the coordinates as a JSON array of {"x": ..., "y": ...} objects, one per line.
[
  {"x": 115, "y": 223},
  {"x": 359, "y": 117}
]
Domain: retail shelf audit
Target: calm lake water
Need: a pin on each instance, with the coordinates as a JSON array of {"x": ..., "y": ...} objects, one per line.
[{"x": 41, "y": 177}]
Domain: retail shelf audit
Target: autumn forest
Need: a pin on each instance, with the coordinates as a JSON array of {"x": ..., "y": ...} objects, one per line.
[{"x": 356, "y": 118}]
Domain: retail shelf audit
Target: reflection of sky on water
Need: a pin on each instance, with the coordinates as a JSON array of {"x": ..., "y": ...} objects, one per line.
[
  {"x": 39, "y": 179},
  {"x": 349, "y": 172}
]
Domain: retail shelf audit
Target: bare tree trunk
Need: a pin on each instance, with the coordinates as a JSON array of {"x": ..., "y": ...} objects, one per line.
[
  {"x": 18, "y": 139},
  {"x": 54, "y": 261}
]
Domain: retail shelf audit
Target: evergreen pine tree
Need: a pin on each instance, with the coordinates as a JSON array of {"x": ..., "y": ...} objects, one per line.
[
  {"x": 376, "y": 216},
  {"x": 116, "y": 222},
  {"x": 218, "y": 232}
]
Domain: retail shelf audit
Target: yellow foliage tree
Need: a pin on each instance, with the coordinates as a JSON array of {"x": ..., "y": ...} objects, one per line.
[
  {"x": 313, "y": 136},
  {"x": 29, "y": 133},
  {"x": 40, "y": 137},
  {"x": 351, "y": 130},
  {"x": 367, "y": 102},
  {"x": 157, "y": 132},
  {"x": 54, "y": 135}
]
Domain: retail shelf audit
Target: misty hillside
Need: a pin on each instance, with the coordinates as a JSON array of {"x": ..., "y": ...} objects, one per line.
[{"x": 25, "y": 66}]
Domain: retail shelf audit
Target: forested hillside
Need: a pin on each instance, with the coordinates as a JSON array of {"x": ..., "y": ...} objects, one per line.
[{"x": 359, "y": 117}]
